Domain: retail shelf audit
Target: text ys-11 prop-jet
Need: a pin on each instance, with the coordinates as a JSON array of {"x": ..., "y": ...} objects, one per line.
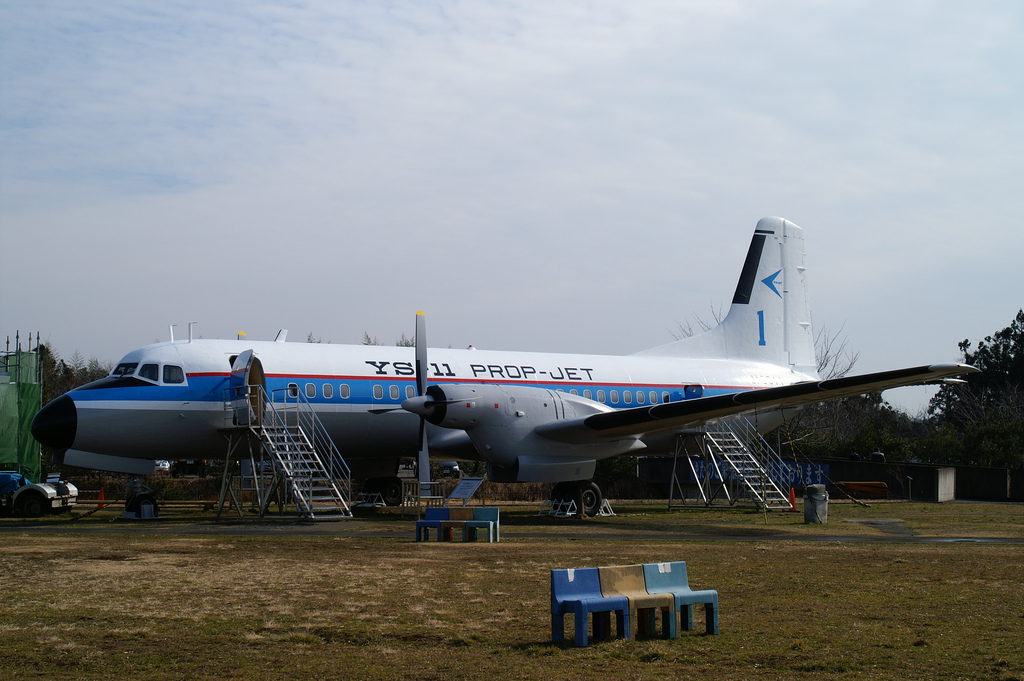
[{"x": 532, "y": 417}]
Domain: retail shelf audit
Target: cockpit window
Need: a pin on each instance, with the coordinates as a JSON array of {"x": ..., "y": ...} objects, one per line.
[
  {"x": 124, "y": 369},
  {"x": 150, "y": 372},
  {"x": 173, "y": 374}
]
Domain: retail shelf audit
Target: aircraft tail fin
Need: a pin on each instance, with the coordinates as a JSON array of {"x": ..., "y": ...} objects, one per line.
[{"x": 769, "y": 319}]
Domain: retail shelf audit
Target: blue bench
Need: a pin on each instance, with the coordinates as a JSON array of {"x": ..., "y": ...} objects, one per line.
[
  {"x": 670, "y": 578},
  {"x": 470, "y": 521},
  {"x": 578, "y": 592},
  {"x": 432, "y": 518}
]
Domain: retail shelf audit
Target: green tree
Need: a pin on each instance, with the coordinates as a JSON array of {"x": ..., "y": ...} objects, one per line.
[
  {"x": 60, "y": 376},
  {"x": 986, "y": 411}
]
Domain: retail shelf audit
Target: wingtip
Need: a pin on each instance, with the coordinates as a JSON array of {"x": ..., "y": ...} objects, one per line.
[{"x": 954, "y": 368}]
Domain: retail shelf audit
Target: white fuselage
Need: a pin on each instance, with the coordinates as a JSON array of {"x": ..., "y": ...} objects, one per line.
[{"x": 150, "y": 419}]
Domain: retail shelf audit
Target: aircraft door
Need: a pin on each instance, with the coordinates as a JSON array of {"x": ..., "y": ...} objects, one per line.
[{"x": 247, "y": 386}]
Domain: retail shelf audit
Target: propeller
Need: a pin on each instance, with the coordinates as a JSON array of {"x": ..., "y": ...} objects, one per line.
[
  {"x": 429, "y": 404},
  {"x": 421, "y": 403}
]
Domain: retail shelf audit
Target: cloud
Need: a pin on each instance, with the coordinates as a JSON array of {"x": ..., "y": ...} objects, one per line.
[{"x": 569, "y": 176}]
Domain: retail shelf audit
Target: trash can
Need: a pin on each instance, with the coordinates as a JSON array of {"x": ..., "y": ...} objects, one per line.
[{"x": 815, "y": 504}]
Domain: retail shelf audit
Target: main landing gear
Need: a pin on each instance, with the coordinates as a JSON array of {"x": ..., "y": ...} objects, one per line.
[
  {"x": 585, "y": 493},
  {"x": 389, "y": 489},
  {"x": 141, "y": 503}
]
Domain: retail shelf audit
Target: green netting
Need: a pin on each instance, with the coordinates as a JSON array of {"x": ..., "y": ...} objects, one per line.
[
  {"x": 8, "y": 425},
  {"x": 20, "y": 400},
  {"x": 28, "y": 454}
]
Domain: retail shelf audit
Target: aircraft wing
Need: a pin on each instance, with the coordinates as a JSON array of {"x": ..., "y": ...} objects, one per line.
[{"x": 673, "y": 416}]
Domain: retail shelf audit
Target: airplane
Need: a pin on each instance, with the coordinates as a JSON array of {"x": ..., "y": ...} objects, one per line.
[{"x": 532, "y": 417}]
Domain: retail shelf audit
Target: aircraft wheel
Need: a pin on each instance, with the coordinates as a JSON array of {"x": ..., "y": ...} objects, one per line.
[
  {"x": 31, "y": 505},
  {"x": 591, "y": 497},
  {"x": 391, "y": 491}
]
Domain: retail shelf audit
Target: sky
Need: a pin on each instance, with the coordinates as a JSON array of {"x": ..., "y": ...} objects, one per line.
[{"x": 563, "y": 177}]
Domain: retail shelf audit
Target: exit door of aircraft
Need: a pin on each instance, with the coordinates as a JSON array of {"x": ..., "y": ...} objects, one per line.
[{"x": 248, "y": 385}]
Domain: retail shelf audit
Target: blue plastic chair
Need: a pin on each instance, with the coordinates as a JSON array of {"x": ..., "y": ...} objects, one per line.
[
  {"x": 671, "y": 578},
  {"x": 484, "y": 518},
  {"x": 578, "y": 592},
  {"x": 432, "y": 518}
]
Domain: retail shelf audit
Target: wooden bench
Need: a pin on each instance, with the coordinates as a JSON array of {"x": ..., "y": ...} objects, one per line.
[
  {"x": 670, "y": 578},
  {"x": 578, "y": 592}
]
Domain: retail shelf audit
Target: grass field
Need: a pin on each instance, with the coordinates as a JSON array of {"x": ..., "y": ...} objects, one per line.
[{"x": 184, "y": 597}]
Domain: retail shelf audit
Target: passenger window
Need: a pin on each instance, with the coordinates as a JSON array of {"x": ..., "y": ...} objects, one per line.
[
  {"x": 378, "y": 392},
  {"x": 588, "y": 394},
  {"x": 293, "y": 390},
  {"x": 627, "y": 397},
  {"x": 394, "y": 392},
  {"x": 615, "y": 397},
  {"x": 150, "y": 372},
  {"x": 310, "y": 390},
  {"x": 328, "y": 391},
  {"x": 410, "y": 392},
  {"x": 600, "y": 396},
  {"x": 173, "y": 374},
  {"x": 574, "y": 392},
  {"x": 665, "y": 398},
  {"x": 344, "y": 391},
  {"x": 654, "y": 397},
  {"x": 639, "y": 396}
]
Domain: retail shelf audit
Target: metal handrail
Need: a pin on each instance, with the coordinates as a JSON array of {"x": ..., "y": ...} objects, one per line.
[
  {"x": 282, "y": 411},
  {"x": 294, "y": 405}
]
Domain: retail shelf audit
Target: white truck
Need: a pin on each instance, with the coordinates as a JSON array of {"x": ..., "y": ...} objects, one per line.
[{"x": 32, "y": 500}]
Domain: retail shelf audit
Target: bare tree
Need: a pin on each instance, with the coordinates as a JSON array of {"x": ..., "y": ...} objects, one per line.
[
  {"x": 834, "y": 358},
  {"x": 697, "y": 325}
]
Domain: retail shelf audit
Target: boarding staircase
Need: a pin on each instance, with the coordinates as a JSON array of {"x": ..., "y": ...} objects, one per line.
[
  {"x": 295, "y": 463},
  {"x": 738, "y": 465}
]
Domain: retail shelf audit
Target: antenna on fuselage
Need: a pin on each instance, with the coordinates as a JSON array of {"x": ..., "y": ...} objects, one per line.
[
  {"x": 190, "y": 325},
  {"x": 170, "y": 331}
]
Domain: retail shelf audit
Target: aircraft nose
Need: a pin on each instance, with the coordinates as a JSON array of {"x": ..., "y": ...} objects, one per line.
[{"x": 57, "y": 423}]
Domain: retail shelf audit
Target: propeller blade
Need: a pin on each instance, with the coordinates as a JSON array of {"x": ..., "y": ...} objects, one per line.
[
  {"x": 423, "y": 460},
  {"x": 421, "y": 353}
]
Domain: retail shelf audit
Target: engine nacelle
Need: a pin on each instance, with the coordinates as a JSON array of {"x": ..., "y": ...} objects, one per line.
[
  {"x": 501, "y": 422},
  {"x": 534, "y": 468}
]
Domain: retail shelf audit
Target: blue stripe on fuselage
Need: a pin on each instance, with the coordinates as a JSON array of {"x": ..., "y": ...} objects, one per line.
[{"x": 211, "y": 388}]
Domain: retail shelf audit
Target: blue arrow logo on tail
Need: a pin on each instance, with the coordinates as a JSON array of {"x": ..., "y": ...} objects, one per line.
[{"x": 770, "y": 282}]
